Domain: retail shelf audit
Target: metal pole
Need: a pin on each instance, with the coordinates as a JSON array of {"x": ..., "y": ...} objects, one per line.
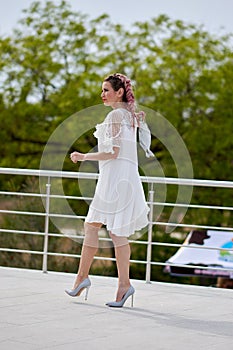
[
  {"x": 46, "y": 229},
  {"x": 150, "y": 231}
]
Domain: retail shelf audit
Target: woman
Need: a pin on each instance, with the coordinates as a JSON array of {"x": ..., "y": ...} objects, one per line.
[{"x": 119, "y": 201}]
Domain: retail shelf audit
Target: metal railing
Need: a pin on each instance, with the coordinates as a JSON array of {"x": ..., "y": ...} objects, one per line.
[{"x": 47, "y": 196}]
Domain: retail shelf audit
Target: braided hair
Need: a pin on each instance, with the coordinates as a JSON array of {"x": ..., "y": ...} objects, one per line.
[{"x": 118, "y": 81}]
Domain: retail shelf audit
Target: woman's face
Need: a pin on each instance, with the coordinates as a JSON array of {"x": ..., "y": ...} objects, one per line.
[{"x": 109, "y": 96}]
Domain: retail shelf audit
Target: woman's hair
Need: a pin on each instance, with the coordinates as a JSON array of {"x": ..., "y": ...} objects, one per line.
[{"x": 118, "y": 81}]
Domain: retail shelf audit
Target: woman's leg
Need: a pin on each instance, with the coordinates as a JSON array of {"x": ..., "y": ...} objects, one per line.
[
  {"x": 122, "y": 254},
  {"x": 89, "y": 249}
]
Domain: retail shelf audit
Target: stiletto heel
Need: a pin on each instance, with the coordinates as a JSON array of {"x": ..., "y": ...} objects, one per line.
[
  {"x": 85, "y": 284},
  {"x": 87, "y": 290},
  {"x": 132, "y": 300},
  {"x": 130, "y": 292}
]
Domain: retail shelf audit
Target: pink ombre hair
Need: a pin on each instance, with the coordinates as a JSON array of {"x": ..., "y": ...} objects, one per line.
[{"x": 118, "y": 81}]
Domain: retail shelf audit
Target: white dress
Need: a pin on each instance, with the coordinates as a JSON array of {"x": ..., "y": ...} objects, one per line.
[{"x": 119, "y": 200}]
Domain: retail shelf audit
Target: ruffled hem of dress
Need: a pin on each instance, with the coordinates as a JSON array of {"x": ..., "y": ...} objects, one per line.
[{"x": 100, "y": 218}]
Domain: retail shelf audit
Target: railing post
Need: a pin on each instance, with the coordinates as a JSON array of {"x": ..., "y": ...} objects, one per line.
[
  {"x": 46, "y": 227},
  {"x": 150, "y": 231}
]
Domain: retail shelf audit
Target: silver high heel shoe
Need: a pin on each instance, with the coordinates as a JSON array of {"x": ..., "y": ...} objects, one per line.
[
  {"x": 85, "y": 284},
  {"x": 130, "y": 292}
]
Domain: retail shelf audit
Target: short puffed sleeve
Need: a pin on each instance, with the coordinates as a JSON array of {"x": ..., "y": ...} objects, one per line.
[{"x": 108, "y": 133}]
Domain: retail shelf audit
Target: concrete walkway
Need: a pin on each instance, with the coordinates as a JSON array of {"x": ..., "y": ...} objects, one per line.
[{"x": 36, "y": 314}]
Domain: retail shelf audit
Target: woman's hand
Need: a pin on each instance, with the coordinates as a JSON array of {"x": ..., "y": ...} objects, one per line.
[{"x": 77, "y": 157}]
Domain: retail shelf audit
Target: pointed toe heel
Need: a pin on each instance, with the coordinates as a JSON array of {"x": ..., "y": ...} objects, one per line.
[
  {"x": 130, "y": 292},
  {"x": 85, "y": 284}
]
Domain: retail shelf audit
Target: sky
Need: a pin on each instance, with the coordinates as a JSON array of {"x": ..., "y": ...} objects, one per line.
[{"x": 214, "y": 15}]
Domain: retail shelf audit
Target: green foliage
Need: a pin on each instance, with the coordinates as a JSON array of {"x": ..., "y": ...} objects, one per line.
[{"x": 54, "y": 63}]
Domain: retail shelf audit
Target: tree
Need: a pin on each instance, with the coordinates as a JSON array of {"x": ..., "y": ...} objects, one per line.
[{"x": 55, "y": 61}]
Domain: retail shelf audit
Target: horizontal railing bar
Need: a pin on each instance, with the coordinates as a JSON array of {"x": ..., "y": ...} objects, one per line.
[
  {"x": 67, "y": 216},
  {"x": 65, "y": 255},
  {"x": 49, "y": 173},
  {"x": 166, "y": 204},
  {"x": 195, "y": 206},
  {"x": 41, "y": 195},
  {"x": 18, "y": 212},
  {"x": 193, "y": 266},
  {"x": 94, "y": 176},
  {"x": 176, "y": 245},
  {"x": 62, "y": 235},
  {"x": 23, "y": 194},
  {"x": 113, "y": 259},
  {"x": 70, "y": 197},
  {"x": 36, "y": 233},
  {"x": 179, "y": 205},
  {"x": 23, "y": 251},
  {"x": 187, "y": 182},
  {"x": 217, "y": 228},
  {"x": 79, "y": 256}
]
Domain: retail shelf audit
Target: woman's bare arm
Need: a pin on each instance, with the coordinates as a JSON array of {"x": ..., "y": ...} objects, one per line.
[{"x": 81, "y": 157}]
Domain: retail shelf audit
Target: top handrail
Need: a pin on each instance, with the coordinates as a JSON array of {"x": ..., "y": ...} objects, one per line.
[{"x": 94, "y": 176}]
